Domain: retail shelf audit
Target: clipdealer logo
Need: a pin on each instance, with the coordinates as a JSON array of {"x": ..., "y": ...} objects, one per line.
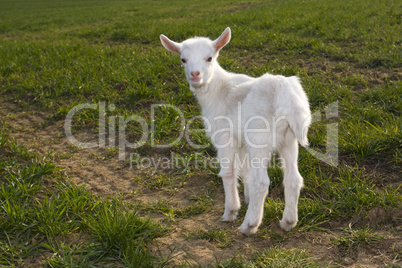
[{"x": 115, "y": 127}]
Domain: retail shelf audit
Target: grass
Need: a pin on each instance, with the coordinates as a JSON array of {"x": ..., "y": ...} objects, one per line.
[
  {"x": 275, "y": 258},
  {"x": 38, "y": 219},
  {"x": 57, "y": 55},
  {"x": 198, "y": 205},
  {"x": 221, "y": 237},
  {"x": 164, "y": 182},
  {"x": 351, "y": 239}
]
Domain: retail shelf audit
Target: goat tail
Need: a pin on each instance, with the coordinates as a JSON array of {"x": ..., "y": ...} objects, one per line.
[
  {"x": 299, "y": 125},
  {"x": 299, "y": 118}
]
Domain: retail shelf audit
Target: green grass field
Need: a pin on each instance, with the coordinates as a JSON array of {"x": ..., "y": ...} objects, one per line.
[{"x": 66, "y": 206}]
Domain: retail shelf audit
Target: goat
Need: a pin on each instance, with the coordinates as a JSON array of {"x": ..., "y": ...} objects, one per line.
[{"x": 247, "y": 119}]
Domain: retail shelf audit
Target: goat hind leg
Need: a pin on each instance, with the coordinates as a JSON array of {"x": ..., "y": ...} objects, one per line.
[
  {"x": 258, "y": 190},
  {"x": 244, "y": 167},
  {"x": 293, "y": 183},
  {"x": 244, "y": 176}
]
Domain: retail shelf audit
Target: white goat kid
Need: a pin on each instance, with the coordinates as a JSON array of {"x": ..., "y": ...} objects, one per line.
[{"x": 247, "y": 119}]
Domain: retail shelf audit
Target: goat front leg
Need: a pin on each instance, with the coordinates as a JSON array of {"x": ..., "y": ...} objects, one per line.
[{"x": 228, "y": 174}]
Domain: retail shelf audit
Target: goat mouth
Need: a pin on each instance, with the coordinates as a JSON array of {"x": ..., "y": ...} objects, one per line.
[{"x": 196, "y": 79}]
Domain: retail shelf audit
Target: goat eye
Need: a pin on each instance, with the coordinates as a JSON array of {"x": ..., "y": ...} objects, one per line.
[
  {"x": 183, "y": 60},
  {"x": 209, "y": 59}
]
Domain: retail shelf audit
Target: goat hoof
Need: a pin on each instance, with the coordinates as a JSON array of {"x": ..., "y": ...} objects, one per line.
[
  {"x": 287, "y": 225},
  {"x": 231, "y": 216},
  {"x": 248, "y": 229}
]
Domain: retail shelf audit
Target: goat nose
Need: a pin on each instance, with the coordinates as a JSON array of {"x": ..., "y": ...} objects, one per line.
[{"x": 195, "y": 74}]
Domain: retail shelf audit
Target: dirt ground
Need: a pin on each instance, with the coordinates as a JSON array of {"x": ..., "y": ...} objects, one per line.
[{"x": 106, "y": 176}]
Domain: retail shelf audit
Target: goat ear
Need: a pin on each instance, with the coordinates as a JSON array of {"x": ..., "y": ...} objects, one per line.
[
  {"x": 170, "y": 45},
  {"x": 222, "y": 40}
]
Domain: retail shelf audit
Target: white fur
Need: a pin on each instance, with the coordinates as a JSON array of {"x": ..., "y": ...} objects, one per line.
[{"x": 247, "y": 119}]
